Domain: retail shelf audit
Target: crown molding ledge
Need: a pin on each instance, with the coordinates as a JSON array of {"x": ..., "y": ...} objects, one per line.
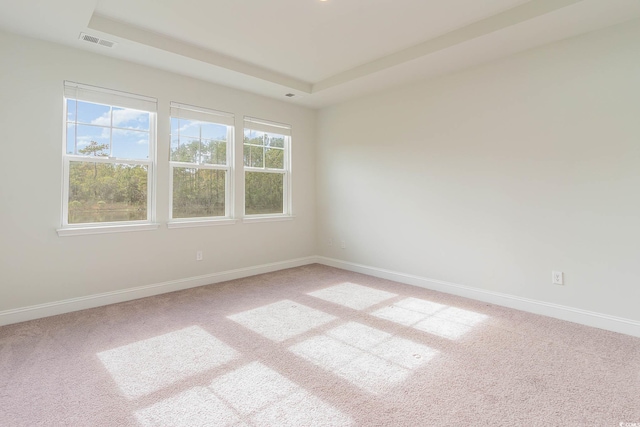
[{"x": 168, "y": 44}]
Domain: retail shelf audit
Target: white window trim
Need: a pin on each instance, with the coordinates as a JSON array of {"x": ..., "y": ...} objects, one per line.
[
  {"x": 267, "y": 218},
  {"x": 287, "y": 208},
  {"x": 110, "y": 97},
  {"x": 211, "y": 116},
  {"x": 106, "y": 229},
  {"x": 189, "y": 223}
]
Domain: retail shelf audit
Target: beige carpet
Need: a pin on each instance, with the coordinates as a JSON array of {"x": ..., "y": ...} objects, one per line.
[{"x": 314, "y": 346}]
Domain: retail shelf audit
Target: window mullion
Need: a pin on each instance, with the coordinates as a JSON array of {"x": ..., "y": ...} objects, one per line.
[
  {"x": 265, "y": 170},
  {"x": 110, "y": 160},
  {"x": 111, "y": 131},
  {"x": 197, "y": 166},
  {"x": 75, "y": 130}
]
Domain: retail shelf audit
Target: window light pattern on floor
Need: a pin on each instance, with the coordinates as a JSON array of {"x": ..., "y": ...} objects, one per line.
[
  {"x": 251, "y": 395},
  {"x": 282, "y": 320},
  {"x": 194, "y": 407},
  {"x": 147, "y": 366},
  {"x": 353, "y": 296},
  {"x": 438, "y": 319},
  {"x": 369, "y": 358}
]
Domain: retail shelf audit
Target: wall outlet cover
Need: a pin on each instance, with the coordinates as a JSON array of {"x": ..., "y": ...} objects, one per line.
[{"x": 557, "y": 277}]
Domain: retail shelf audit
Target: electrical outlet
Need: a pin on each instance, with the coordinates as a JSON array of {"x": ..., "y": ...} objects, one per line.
[
  {"x": 343, "y": 244},
  {"x": 198, "y": 255},
  {"x": 557, "y": 277}
]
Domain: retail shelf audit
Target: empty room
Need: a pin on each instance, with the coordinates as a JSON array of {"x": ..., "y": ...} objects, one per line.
[{"x": 320, "y": 213}]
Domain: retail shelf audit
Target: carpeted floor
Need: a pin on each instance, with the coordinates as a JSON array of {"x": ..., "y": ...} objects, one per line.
[{"x": 314, "y": 346}]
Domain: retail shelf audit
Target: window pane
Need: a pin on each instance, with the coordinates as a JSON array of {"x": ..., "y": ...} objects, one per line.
[
  {"x": 253, "y": 137},
  {"x": 95, "y": 114},
  {"x": 71, "y": 110},
  {"x": 175, "y": 125},
  {"x": 92, "y": 140},
  {"x": 185, "y": 150},
  {"x": 130, "y": 119},
  {"x": 107, "y": 192},
  {"x": 274, "y": 158},
  {"x": 246, "y": 155},
  {"x": 130, "y": 144},
  {"x": 214, "y": 152},
  {"x": 255, "y": 157},
  {"x": 213, "y": 131},
  {"x": 188, "y": 128},
  {"x": 71, "y": 139},
  {"x": 263, "y": 193},
  {"x": 198, "y": 192},
  {"x": 175, "y": 146},
  {"x": 275, "y": 140}
]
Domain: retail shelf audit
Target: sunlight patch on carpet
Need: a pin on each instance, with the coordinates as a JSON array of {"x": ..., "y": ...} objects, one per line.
[
  {"x": 271, "y": 399},
  {"x": 193, "y": 408},
  {"x": 438, "y": 319},
  {"x": 353, "y": 296},
  {"x": 251, "y": 395},
  {"x": 282, "y": 320},
  {"x": 155, "y": 363},
  {"x": 370, "y": 359}
]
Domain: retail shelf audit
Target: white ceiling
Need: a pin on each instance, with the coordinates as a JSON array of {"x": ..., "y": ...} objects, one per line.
[
  {"x": 323, "y": 52},
  {"x": 306, "y": 39}
]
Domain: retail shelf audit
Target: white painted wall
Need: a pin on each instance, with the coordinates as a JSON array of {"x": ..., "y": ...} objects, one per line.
[
  {"x": 37, "y": 266},
  {"x": 495, "y": 176},
  {"x": 489, "y": 178}
]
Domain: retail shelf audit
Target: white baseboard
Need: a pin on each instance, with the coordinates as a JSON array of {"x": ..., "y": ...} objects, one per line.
[
  {"x": 576, "y": 315},
  {"x": 74, "y": 304},
  {"x": 584, "y": 317}
]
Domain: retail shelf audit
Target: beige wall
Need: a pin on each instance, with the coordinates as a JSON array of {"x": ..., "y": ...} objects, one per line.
[
  {"x": 495, "y": 176},
  {"x": 37, "y": 266}
]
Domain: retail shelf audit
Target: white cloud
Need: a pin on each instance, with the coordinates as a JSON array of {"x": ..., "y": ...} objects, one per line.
[
  {"x": 189, "y": 124},
  {"x": 130, "y": 135},
  {"x": 122, "y": 117},
  {"x": 104, "y": 120}
]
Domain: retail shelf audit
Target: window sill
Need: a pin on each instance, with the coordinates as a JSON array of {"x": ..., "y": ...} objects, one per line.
[
  {"x": 107, "y": 229},
  {"x": 274, "y": 218},
  {"x": 201, "y": 223}
]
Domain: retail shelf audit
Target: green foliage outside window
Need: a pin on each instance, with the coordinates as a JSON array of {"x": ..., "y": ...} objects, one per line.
[
  {"x": 198, "y": 192},
  {"x": 106, "y": 192},
  {"x": 263, "y": 193}
]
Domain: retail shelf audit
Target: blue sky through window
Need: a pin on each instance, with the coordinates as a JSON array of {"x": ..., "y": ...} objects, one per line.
[
  {"x": 87, "y": 122},
  {"x": 197, "y": 129}
]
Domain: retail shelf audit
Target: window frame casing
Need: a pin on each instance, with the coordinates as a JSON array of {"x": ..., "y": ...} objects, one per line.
[
  {"x": 207, "y": 115},
  {"x": 262, "y": 125},
  {"x": 113, "y": 99}
]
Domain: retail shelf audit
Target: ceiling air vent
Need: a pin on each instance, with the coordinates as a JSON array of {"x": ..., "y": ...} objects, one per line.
[
  {"x": 106, "y": 43},
  {"x": 97, "y": 40}
]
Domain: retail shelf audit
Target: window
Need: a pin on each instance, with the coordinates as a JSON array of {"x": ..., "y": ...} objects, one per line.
[
  {"x": 200, "y": 163},
  {"x": 266, "y": 168},
  {"x": 109, "y": 154}
]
